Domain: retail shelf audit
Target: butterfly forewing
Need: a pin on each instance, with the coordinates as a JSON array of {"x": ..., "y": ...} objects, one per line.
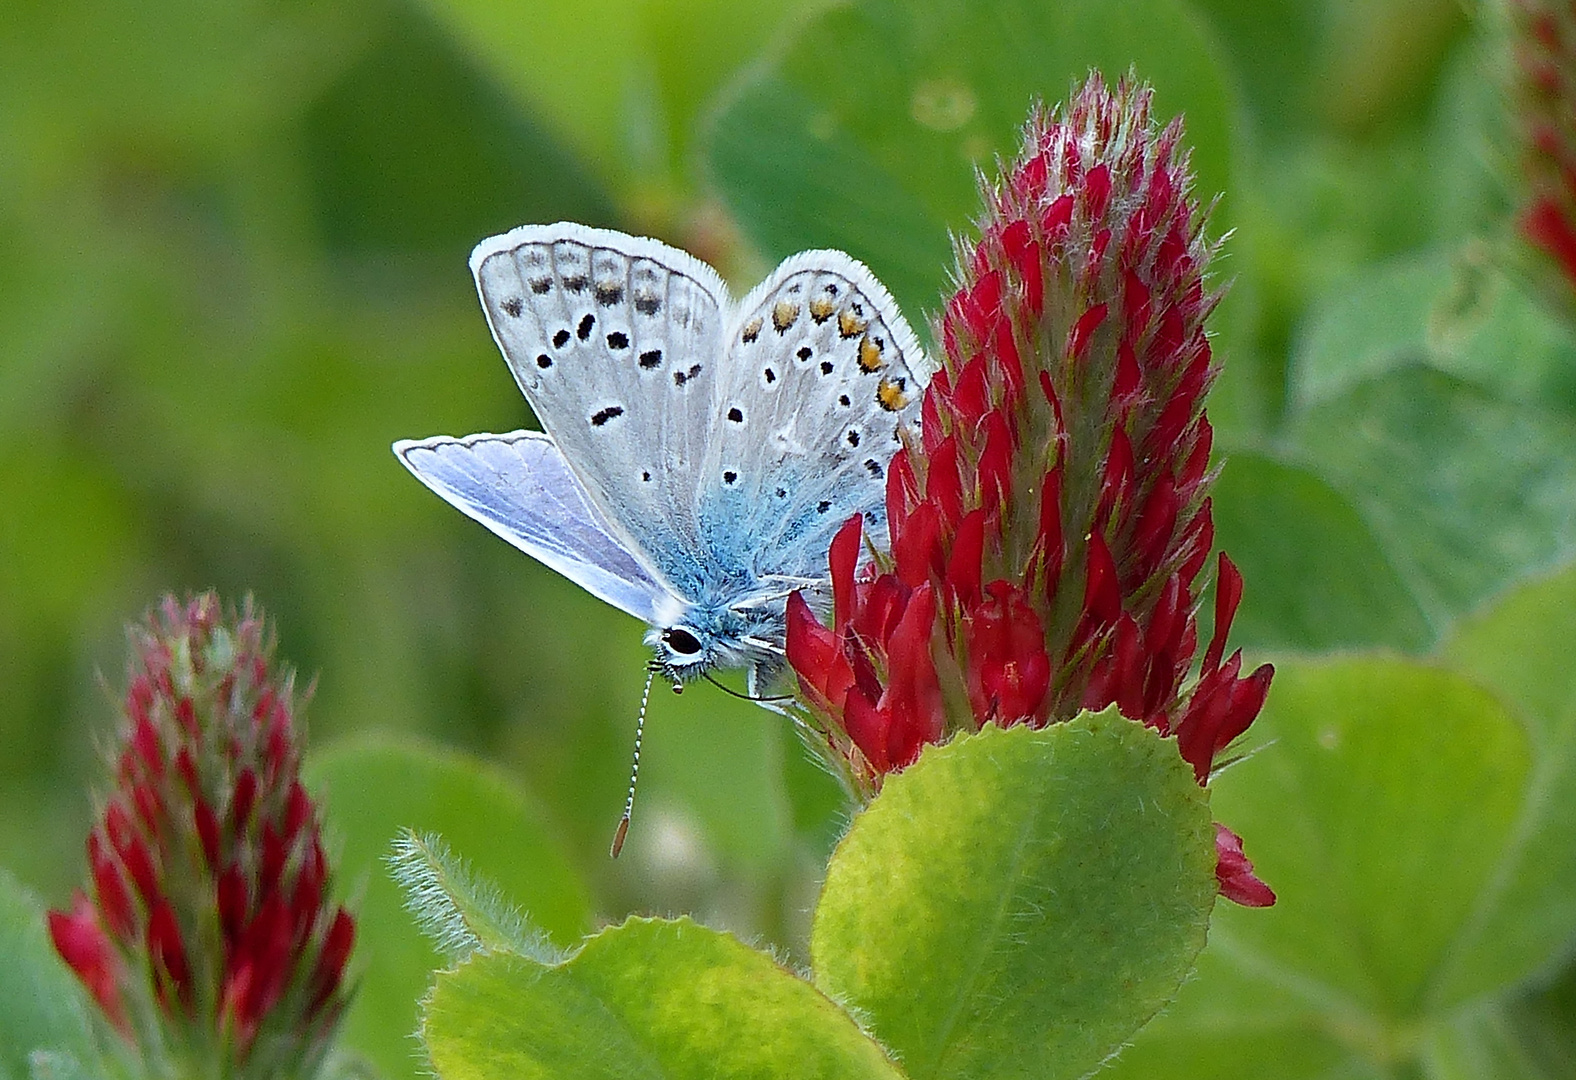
[
  {"x": 614, "y": 339},
  {"x": 819, "y": 374}
]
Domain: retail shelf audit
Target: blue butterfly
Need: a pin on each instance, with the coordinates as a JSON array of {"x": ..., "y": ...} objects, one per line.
[{"x": 698, "y": 454}]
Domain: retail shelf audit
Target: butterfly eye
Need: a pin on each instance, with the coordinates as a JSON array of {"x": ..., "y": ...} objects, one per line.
[{"x": 681, "y": 641}]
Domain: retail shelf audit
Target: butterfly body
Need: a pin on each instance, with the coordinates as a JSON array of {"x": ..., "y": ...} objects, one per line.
[{"x": 698, "y": 453}]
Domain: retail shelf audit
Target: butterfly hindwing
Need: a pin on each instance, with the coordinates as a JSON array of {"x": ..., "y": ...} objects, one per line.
[
  {"x": 614, "y": 340},
  {"x": 820, "y": 372},
  {"x": 520, "y": 487}
]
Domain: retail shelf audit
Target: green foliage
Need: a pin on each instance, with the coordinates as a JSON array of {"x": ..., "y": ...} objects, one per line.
[
  {"x": 656, "y": 63},
  {"x": 1321, "y": 578},
  {"x": 1020, "y": 902},
  {"x": 1015, "y": 904},
  {"x": 649, "y": 998},
  {"x": 376, "y": 789},
  {"x": 865, "y": 134},
  {"x": 1418, "y": 824}
]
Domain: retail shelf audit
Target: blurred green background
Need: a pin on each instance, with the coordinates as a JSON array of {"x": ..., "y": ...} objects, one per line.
[{"x": 234, "y": 240}]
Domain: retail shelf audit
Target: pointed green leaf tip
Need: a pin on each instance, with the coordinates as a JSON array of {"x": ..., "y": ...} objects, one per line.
[
  {"x": 1018, "y": 903},
  {"x": 666, "y": 1000},
  {"x": 460, "y": 912}
]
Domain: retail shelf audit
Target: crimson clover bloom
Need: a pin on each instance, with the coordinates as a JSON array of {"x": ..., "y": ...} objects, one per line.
[
  {"x": 208, "y": 936},
  {"x": 1545, "y": 48},
  {"x": 1050, "y": 529}
]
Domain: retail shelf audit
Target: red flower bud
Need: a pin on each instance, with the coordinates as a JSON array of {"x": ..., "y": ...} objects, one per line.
[
  {"x": 210, "y": 888},
  {"x": 1084, "y": 505}
]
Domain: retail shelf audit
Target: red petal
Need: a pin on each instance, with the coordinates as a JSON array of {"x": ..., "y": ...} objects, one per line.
[
  {"x": 995, "y": 466},
  {"x": 902, "y": 492},
  {"x": 1198, "y": 458},
  {"x": 232, "y": 903},
  {"x": 842, "y": 559},
  {"x": 330, "y": 969},
  {"x": 943, "y": 483},
  {"x": 1083, "y": 329},
  {"x": 971, "y": 396},
  {"x": 1157, "y": 522},
  {"x": 916, "y": 551},
  {"x": 1102, "y": 593},
  {"x": 110, "y": 888},
  {"x": 1135, "y": 304},
  {"x": 913, "y": 694},
  {"x": 1004, "y": 347},
  {"x": 1228, "y": 593},
  {"x": 82, "y": 944},
  {"x": 964, "y": 566},
  {"x": 1024, "y": 254},
  {"x": 145, "y": 741},
  {"x": 1117, "y": 478},
  {"x": 242, "y": 801},
  {"x": 867, "y": 725},
  {"x": 1235, "y": 874},
  {"x": 1055, "y": 220},
  {"x": 168, "y": 954},
  {"x": 186, "y": 716},
  {"x": 1097, "y": 190},
  {"x": 1547, "y": 227},
  {"x": 207, "y": 825},
  {"x": 1030, "y": 179},
  {"x": 1127, "y": 375}
]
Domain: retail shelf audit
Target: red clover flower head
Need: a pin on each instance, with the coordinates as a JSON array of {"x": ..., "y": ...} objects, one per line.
[
  {"x": 1050, "y": 528},
  {"x": 207, "y": 935},
  {"x": 1545, "y": 54}
]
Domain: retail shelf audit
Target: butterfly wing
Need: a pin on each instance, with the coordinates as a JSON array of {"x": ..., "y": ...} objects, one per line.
[
  {"x": 820, "y": 372},
  {"x": 520, "y": 487},
  {"x": 613, "y": 340}
]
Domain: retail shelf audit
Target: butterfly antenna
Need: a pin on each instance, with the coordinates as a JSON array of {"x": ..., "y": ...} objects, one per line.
[
  {"x": 634, "y": 769},
  {"x": 743, "y": 697}
]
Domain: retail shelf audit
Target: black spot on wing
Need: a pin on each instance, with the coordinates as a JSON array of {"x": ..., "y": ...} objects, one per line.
[
  {"x": 602, "y": 416},
  {"x": 561, "y": 339},
  {"x": 618, "y": 340},
  {"x": 647, "y": 305},
  {"x": 650, "y": 358},
  {"x": 513, "y": 306},
  {"x": 540, "y": 285},
  {"x": 736, "y": 415},
  {"x": 730, "y": 477},
  {"x": 608, "y": 293},
  {"x": 682, "y": 377},
  {"x": 583, "y": 331},
  {"x": 544, "y": 361},
  {"x": 576, "y": 283}
]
